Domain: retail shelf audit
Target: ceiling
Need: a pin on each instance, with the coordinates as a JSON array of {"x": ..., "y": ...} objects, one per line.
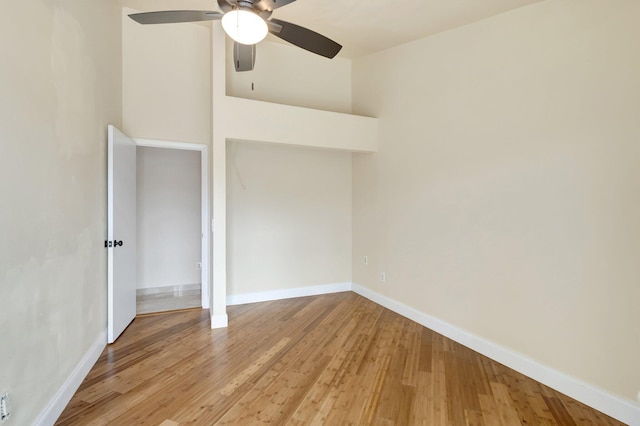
[{"x": 366, "y": 26}]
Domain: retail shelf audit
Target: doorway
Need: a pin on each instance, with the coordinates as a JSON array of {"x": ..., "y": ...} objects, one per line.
[{"x": 173, "y": 217}]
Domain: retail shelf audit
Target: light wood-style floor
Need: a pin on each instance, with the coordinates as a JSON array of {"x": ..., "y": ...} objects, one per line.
[{"x": 333, "y": 359}]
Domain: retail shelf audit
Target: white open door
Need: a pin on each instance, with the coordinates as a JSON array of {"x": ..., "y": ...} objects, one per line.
[{"x": 121, "y": 233}]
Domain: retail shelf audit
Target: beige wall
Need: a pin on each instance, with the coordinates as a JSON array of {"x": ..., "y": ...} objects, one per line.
[
  {"x": 289, "y": 217},
  {"x": 289, "y": 75},
  {"x": 166, "y": 77},
  {"x": 60, "y": 87},
  {"x": 168, "y": 217},
  {"x": 288, "y": 207},
  {"x": 505, "y": 198}
]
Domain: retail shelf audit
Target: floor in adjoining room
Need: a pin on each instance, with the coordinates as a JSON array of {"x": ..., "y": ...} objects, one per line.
[
  {"x": 170, "y": 301},
  {"x": 324, "y": 360}
]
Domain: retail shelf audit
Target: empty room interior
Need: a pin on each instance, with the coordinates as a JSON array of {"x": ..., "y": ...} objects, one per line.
[{"x": 440, "y": 225}]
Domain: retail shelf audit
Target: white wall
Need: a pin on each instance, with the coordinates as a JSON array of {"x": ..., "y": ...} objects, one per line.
[
  {"x": 289, "y": 75},
  {"x": 166, "y": 77},
  {"x": 168, "y": 217},
  {"x": 289, "y": 217},
  {"x": 505, "y": 197},
  {"x": 60, "y": 84}
]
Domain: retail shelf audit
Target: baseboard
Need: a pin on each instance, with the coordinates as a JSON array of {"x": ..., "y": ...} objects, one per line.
[
  {"x": 219, "y": 321},
  {"x": 175, "y": 289},
  {"x": 265, "y": 296},
  {"x": 59, "y": 402},
  {"x": 619, "y": 408}
]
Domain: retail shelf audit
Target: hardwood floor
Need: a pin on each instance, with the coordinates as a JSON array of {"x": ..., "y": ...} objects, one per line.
[{"x": 333, "y": 359}]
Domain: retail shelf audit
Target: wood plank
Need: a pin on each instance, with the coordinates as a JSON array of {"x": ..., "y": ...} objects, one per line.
[{"x": 252, "y": 369}]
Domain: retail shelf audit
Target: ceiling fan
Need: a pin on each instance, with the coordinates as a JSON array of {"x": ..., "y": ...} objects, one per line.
[{"x": 247, "y": 22}]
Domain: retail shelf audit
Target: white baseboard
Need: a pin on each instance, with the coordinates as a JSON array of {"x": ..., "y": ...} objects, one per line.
[
  {"x": 265, "y": 296},
  {"x": 175, "y": 289},
  {"x": 219, "y": 321},
  {"x": 619, "y": 408},
  {"x": 59, "y": 402}
]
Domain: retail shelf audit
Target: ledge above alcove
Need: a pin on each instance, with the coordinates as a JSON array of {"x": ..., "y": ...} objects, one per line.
[{"x": 246, "y": 119}]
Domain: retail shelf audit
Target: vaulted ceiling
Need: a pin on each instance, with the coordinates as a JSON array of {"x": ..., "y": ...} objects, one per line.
[{"x": 366, "y": 26}]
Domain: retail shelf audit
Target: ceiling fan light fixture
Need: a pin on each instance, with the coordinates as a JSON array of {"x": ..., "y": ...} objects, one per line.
[{"x": 244, "y": 26}]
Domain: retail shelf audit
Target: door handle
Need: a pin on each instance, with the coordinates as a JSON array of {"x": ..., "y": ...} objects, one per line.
[{"x": 113, "y": 244}]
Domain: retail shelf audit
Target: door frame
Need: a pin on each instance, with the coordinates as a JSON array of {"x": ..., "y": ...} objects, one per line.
[{"x": 204, "y": 202}]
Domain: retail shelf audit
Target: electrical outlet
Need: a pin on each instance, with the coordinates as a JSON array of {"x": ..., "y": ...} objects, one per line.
[
  {"x": 366, "y": 260},
  {"x": 198, "y": 265},
  {"x": 383, "y": 276},
  {"x": 638, "y": 396},
  {"x": 5, "y": 407}
]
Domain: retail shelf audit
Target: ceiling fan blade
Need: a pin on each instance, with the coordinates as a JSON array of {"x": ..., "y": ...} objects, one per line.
[
  {"x": 244, "y": 56},
  {"x": 304, "y": 38},
  {"x": 270, "y": 5},
  {"x": 224, "y": 6},
  {"x": 174, "y": 16}
]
